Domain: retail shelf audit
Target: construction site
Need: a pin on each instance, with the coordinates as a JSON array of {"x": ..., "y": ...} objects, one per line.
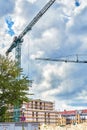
[
  {"x": 39, "y": 114},
  {"x": 70, "y": 127},
  {"x": 42, "y": 115}
]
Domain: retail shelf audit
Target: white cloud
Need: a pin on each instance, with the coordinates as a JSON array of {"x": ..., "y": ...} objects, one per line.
[
  {"x": 32, "y": 1},
  {"x": 38, "y": 54},
  {"x": 4, "y": 6}
]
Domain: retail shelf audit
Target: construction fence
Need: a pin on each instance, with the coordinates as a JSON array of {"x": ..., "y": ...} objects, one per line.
[{"x": 18, "y": 126}]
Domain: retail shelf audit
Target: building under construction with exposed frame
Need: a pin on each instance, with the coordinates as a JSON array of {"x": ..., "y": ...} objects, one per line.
[{"x": 44, "y": 112}]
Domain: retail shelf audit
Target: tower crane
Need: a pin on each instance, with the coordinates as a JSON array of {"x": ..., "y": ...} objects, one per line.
[
  {"x": 76, "y": 60},
  {"x": 18, "y": 40}
]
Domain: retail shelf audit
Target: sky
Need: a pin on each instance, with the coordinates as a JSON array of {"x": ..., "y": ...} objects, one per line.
[{"x": 60, "y": 32}]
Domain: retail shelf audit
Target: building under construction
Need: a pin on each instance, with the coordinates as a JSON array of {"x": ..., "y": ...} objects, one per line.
[
  {"x": 40, "y": 111},
  {"x": 44, "y": 112},
  {"x": 33, "y": 111}
]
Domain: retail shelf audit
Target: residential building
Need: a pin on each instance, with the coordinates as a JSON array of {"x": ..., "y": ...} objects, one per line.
[
  {"x": 74, "y": 116},
  {"x": 35, "y": 110},
  {"x": 61, "y": 121}
]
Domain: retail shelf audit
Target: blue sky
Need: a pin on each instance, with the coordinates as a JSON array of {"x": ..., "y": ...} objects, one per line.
[{"x": 62, "y": 31}]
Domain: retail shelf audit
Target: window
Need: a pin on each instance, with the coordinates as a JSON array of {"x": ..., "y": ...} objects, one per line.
[
  {"x": 37, "y": 116},
  {"x": 32, "y": 104},
  {"x": 40, "y": 105},
  {"x": 35, "y": 105},
  {"x": 32, "y": 114},
  {"x": 45, "y": 117}
]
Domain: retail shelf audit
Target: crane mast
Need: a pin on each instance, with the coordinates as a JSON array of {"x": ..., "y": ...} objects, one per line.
[{"x": 18, "y": 40}]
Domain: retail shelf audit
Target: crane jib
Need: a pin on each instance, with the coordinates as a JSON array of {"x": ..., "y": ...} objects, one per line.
[
  {"x": 30, "y": 25},
  {"x": 62, "y": 60},
  {"x": 36, "y": 18}
]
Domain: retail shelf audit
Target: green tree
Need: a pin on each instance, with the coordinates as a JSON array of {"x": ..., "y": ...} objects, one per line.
[{"x": 13, "y": 90}]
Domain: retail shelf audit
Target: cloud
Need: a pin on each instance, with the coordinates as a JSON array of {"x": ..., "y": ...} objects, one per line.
[
  {"x": 53, "y": 36},
  {"x": 79, "y": 28},
  {"x": 6, "y": 7},
  {"x": 32, "y": 1},
  {"x": 28, "y": 6}
]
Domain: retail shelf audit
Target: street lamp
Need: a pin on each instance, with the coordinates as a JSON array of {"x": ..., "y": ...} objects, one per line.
[{"x": 23, "y": 117}]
